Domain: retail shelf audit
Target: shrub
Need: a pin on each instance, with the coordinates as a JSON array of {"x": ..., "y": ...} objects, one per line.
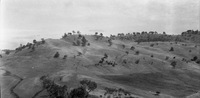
[
  {"x": 123, "y": 46},
  {"x": 194, "y": 58},
  {"x": 171, "y": 49},
  {"x": 79, "y": 92},
  {"x": 105, "y": 56},
  {"x": 110, "y": 42},
  {"x": 43, "y": 41},
  {"x": 173, "y": 63},
  {"x": 152, "y": 45},
  {"x": 90, "y": 84},
  {"x": 151, "y": 55},
  {"x": 7, "y": 52},
  {"x": 56, "y": 55},
  {"x": 84, "y": 41},
  {"x": 34, "y": 41},
  {"x": 137, "y": 61},
  {"x": 127, "y": 52},
  {"x": 166, "y": 58},
  {"x": 65, "y": 56},
  {"x": 137, "y": 53},
  {"x": 198, "y": 61},
  {"x": 132, "y": 48}
]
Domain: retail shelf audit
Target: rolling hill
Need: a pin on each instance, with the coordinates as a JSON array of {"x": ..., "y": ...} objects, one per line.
[{"x": 142, "y": 71}]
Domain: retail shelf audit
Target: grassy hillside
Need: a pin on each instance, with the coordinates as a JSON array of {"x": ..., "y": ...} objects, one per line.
[{"x": 143, "y": 70}]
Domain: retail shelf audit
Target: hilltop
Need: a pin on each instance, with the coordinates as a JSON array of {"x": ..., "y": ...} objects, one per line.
[{"x": 140, "y": 64}]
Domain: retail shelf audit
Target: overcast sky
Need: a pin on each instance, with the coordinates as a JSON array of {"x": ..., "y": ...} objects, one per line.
[{"x": 25, "y": 20}]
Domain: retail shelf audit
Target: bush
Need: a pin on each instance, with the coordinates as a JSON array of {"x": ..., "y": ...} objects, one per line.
[
  {"x": 90, "y": 84},
  {"x": 127, "y": 52},
  {"x": 171, "y": 49},
  {"x": 110, "y": 42},
  {"x": 65, "y": 56},
  {"x": 56, "y": 55},
  {"x": 137, "y": 53},
  {"x": 123, "y": 46},
  {"x": 173, "y": 64},
  {"x": 7, "y": 52},
  {"x": 151, "y": 55},
  {"x": 198, "y": 61},
  {"x": 137, "y": 61},
  {"x": 78, "y": 93},
  {"x": 194, "y": 58},
  {"x": 166, "y": 58},
  {"x": 132, "y": 48},
  {"x": 84, "y": 41},
  {"x": 152, "y": 45}
]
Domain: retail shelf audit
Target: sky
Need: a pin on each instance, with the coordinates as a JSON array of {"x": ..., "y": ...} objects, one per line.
[{"x": 25, "y": 20}]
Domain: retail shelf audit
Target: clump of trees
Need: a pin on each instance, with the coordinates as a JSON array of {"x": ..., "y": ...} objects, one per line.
[
  {"x": 62, "y": 91},
  {"x": 90, "y": 85},
  {"x": 117, "y": 93},
  {"x": 31, "y": 46}
]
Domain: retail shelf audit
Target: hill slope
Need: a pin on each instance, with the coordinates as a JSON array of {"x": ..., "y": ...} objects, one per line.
[{"x": 141, "y": 74}]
